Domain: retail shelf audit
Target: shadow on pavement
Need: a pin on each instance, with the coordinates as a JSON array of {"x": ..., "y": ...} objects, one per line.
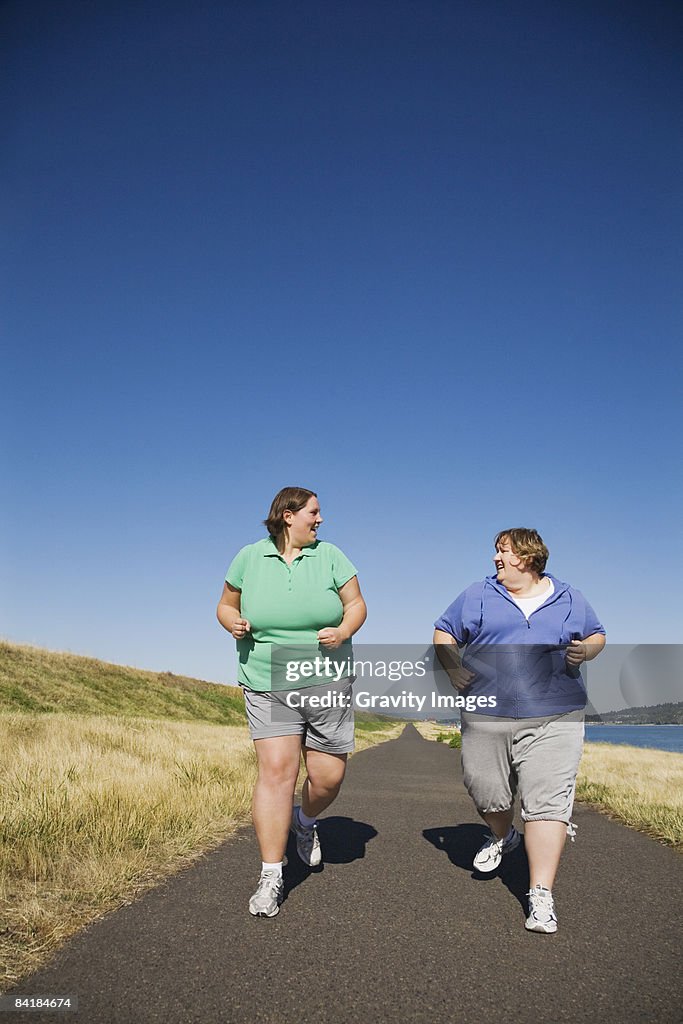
[
  {"x": 343, "y": 840},
  {"x": 461, "y": 842}
]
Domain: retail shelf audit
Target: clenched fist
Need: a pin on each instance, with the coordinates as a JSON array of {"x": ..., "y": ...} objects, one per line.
[
  {"x": 330, "y": 638},
  {"x": 240, "y": 628}
]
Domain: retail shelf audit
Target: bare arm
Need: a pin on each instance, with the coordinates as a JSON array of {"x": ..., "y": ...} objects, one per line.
[
  {"x": 229, "y": 612},
  {"x": 447, "y": 652},
  {"x": 354, "y": 615}
]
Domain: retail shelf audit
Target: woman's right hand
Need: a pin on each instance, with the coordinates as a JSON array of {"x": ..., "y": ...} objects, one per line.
[
  {"x": 240, "y": 628},
  {"x": 460, "y": 677},
  {"x": 447, "y": 652}
]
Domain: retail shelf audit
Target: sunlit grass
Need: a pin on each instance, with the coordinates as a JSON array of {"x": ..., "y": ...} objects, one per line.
[
  {"x": 371, "y": 730},
  {"x": 431, "y": 730},
  {"x": 111, "y": 778},
  {"x": 642, "y": 788},
  {"x": 33, "y": 679},
  {"x": 95, "y": 809}
]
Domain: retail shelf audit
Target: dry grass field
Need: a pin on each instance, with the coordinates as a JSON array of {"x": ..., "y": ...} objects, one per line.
[
  {"x": 640, "y": 787},
  {"x": 95, "y": 808},
  {"x": 430, "y": 730}
]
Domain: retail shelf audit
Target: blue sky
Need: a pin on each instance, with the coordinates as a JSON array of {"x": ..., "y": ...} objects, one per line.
[{"x": 423, "y": 258}]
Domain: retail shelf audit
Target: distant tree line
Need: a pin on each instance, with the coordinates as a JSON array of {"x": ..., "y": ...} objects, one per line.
[{"x": 656, "y": 714}]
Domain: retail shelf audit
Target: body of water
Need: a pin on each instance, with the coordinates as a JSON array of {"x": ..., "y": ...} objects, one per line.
[{"x": 660, "y": 737}]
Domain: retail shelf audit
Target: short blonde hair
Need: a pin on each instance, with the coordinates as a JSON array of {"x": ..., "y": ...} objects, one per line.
[{"x": 528, "y": 544}]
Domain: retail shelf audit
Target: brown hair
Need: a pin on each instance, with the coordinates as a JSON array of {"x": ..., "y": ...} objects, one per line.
[
  {"x": 292, "y": 498},
  {"x": 528, "y": 544}
]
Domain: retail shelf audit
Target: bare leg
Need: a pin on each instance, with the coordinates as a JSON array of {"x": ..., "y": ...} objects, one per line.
[
  {"x": 544, "y": 841},
  {"x": 278, "y": 762},
  {"x": 498, "y": 821},
  {"x": 325, "y": 774}
]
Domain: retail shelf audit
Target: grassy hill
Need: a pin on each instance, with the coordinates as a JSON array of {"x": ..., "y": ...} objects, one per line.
[
  {"x": 36, "y": 680},
  {"x": 33, "y": 680}
]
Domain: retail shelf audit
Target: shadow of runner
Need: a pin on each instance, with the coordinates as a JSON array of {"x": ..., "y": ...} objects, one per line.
[
  {"x": 342, "y": 840},
  {"x": 461, "y": 842}
]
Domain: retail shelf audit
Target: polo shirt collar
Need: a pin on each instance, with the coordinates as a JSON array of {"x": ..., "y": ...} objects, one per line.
[{"x": 271, "y": 550}]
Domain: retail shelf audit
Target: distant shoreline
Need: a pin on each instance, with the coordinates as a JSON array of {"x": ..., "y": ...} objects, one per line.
[{"x": 639, "y": 725}]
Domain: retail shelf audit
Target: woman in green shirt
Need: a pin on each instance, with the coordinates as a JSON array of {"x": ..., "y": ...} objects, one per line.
[{"x": 288, "y": 590}]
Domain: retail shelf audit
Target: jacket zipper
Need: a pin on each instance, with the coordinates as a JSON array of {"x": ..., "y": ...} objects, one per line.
[{"x": 528, "y": 624}]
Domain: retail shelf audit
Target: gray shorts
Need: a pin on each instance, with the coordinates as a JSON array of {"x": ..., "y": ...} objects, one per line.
[
  {"x": 537, "y": 756},
  {"x": 294, "y": 713}
]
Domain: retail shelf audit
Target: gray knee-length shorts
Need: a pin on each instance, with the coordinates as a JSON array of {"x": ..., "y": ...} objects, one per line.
[
  {"x": 297, "y": 713},
  {"x": 537, "y": 757}
]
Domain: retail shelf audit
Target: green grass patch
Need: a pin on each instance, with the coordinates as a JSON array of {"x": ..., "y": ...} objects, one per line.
[
  {"x": 367, "y": 723},
  {"x": 35, "y": 680},
  {"x": 454, "y": 740}
]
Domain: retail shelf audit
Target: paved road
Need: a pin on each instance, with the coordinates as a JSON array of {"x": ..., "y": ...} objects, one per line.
[{"x": 396, "y": 927}]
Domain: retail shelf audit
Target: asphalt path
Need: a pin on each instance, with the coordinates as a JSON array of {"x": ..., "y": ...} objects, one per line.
[{"x": 395, "y": 927}]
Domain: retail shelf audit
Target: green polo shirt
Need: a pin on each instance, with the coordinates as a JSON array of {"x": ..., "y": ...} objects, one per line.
[{"x": 286, "y": 605}]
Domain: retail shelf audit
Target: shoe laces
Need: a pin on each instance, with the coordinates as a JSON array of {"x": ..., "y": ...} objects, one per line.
[
  {"x": 541, "y": 901},
  {"x": 267, "y": 881},
  {"x": 309, "y": 835}
]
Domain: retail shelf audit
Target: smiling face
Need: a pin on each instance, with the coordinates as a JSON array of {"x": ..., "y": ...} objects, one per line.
[
  {"x": 302, "y": 526},
  {"x": 510, "y": 568}
]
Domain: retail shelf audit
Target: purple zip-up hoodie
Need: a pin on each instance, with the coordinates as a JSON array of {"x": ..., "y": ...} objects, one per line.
[{"x": 521, "y": 662}]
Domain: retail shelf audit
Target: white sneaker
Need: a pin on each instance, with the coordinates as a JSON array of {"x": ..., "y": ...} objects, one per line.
[
  {"x": 268, "y": 896},
  {"x": 307, "y": 841},
  {"x": 494, "y": 849},
  {"x": 542, "y": 916}
]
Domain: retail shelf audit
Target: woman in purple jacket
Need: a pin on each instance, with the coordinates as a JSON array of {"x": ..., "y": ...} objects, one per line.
[{"x": 525, "y": 635}]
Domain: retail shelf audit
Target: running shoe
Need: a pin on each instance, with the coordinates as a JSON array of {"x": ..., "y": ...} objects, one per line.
[
  {"x": 542, "y": 916},
  {"x": 493, "y": 851},
  {"x": 307, "y": 841},
  {"x": 268, "y": 896}
]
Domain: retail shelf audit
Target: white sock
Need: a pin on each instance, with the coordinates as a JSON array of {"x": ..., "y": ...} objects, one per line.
[
  {"x": 276, "y": 866},
  {"x": 305, "y": 820}
]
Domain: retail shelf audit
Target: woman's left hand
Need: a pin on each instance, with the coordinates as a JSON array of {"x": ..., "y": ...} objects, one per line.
[
  {"x": 575, "y": 653},
  {"x": 331, "y": 637}
]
